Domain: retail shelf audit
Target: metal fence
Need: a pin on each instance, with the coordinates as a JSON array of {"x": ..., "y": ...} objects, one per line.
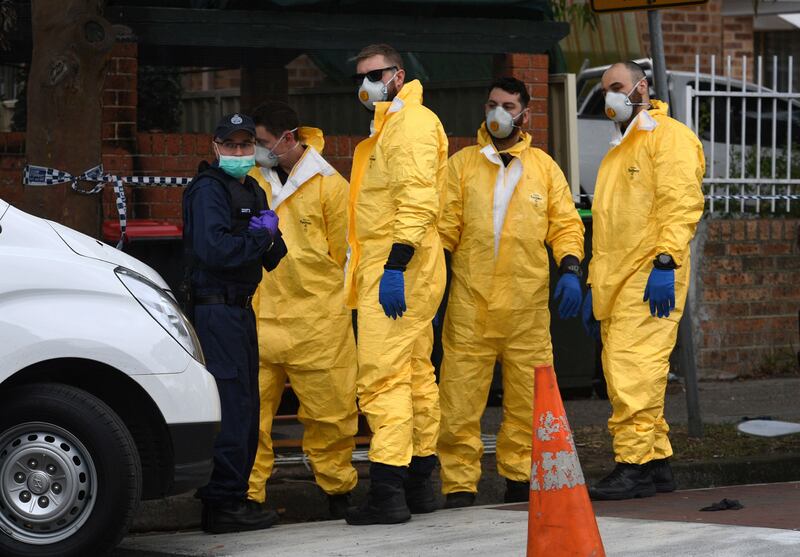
[{"x": 750, "y": 133}]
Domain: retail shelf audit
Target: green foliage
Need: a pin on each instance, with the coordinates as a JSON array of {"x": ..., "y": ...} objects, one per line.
[
  {"x": 574, "y": 12},
  {"x": 159, "y": 99}
]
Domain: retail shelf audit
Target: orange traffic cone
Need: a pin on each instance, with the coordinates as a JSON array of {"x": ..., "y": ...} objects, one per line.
[{"x": 560, "y": 517}]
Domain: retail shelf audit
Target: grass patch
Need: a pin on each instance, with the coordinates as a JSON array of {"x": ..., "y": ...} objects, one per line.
[{"x": 719, "y": 441}]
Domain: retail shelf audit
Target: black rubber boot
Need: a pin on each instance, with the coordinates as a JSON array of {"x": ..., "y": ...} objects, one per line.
[
  {"x": 386, "y": 500},
  {"x": 517, "y": 492},
  {"x": 626, "y": 481},
  {"x": 459, "y": 499},
  {"x": 661, "y": 472},
  {"x": 338, "y": 505},
  {"x": 236, "y": 516},
  {"x": 420, "y": 496}
]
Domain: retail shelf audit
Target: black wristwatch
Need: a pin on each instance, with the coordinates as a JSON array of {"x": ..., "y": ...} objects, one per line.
[
  {"x": 571, "y": 264},
  {"x": 664, "y": 262}
]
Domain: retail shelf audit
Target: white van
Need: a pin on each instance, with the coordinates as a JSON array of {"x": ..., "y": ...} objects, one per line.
[{"x": 104, "y": 398}]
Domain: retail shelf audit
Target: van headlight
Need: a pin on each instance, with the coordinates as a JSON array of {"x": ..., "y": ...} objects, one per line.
[{"x": 163, "y": 308}]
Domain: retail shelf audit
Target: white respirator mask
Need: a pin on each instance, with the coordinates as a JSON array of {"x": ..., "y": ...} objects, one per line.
[
  {"x": 500, "y": 123},
  {"x": 372, "y": 92},
  {"x": 619, "y": 106}
]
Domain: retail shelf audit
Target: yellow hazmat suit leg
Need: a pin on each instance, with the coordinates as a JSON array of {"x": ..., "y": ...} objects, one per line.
[
  {"x": 271, "y": 383},
  {"x": 424, "y": 396},
  {"x": 636, "y": 350},
  {"x": 329, "y": 425},
  {"x": 466, "y": 377},
  {"x": 392, "y": 363}
]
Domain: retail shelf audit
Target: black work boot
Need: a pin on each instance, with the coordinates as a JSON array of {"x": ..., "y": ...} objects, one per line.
[
  {"x": 459, "y": 499},
  {"x": 626, "y": 481},
  {"x": 338, "y": 505},
  {"x": 420, "y": 496},
  {"x": 661, "y": 472},
  {"x": 386, "y": 500},
  {"x": 239, "y": 515},
  {"x": 517, "y": 492}
]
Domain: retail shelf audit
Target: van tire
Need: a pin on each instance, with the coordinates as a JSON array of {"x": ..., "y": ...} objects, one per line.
[{"x": 67, "y": 422}]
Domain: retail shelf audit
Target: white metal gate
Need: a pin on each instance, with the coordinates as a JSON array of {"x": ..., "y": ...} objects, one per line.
[{"x": 750, "y": 134}]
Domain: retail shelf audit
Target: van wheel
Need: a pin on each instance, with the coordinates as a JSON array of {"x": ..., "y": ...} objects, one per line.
[{"x": 70, "y": 476}]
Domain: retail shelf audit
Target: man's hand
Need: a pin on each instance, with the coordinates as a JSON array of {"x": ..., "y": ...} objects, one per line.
[
  {"x": 590, "y": 324},
  {"x": 569, "y": 290},
  {"x": 660, "y": 291},
  {"x": 266, "y": 220},
  {"x": 391, "y": 293}
]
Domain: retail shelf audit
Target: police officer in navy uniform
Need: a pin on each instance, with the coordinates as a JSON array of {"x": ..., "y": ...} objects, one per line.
[{"x": 230, "y": 235}]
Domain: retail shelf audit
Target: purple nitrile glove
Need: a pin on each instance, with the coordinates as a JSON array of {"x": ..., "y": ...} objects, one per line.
[{"x": 266, "y": 220}]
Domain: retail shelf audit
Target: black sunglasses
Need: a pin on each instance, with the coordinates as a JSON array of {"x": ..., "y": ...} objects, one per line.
[{"x": 374, "y": 75}]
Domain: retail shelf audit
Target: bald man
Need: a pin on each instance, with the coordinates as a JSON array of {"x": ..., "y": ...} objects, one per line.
[{"x": 647, "y": 203}]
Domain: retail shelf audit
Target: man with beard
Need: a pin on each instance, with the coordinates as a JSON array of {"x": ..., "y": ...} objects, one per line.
[
  {"x": 505, "y": 201},
  {"x": 647, "y": 203},
  {"x": 395, "y": 279}
]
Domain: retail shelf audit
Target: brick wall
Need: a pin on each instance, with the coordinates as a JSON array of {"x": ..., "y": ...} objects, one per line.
[
  {"x": 737, "y": 41},
  {"x": 303, "y": 73},
  {"x": 703, "y": 30},
  {"x": 747, "y": 296}
]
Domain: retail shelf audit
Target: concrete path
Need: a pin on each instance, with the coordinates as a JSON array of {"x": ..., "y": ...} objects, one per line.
[{"x": 673, "y": 527}]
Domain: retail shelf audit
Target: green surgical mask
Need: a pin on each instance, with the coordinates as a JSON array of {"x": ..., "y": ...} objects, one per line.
[{"x": 237, "y": 166}]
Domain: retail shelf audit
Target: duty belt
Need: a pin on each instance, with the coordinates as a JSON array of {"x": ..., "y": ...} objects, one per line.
[{"x": 239, "y": 300}]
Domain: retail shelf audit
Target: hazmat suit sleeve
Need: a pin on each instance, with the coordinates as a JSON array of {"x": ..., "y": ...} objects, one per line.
[
  {"x": 565, "y": 230},
  {"x": 334, "y": 212},
  {"x": 679, "y": 169},
  {"x": 412, "y": 157},
  {"x": 451, "y": 220}
]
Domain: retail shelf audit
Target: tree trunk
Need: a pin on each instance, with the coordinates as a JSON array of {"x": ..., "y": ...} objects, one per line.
[{"x": 71, "y": 46}]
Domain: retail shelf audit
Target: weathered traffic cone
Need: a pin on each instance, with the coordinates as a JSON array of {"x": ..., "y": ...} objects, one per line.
[{"x": 561, "y": 521}]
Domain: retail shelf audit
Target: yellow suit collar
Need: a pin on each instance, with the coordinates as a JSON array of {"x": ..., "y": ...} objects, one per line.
[
  {"x": 411, "y": 93},
  {"x": 485, "y": 140}
]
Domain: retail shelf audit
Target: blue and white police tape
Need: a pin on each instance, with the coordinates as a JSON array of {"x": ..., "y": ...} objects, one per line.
[{"x": 43, "y": 176}]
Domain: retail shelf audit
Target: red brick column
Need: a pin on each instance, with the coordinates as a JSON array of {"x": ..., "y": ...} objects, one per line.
[{"x": 119, "y": 121}]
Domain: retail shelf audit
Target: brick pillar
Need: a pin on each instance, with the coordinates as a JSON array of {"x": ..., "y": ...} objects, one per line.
[
  {"x": 119, "y": 120},
  {"x": 531, "y": 69},
  {"x": 737, "y": 41},
  {"x": 687, "y": 31}
]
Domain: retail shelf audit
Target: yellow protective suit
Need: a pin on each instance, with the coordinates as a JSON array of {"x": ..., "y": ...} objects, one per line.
[
  {"x": 398, "y": 178},
  {"x": 499, "y": 293},
  {"x": 648, "y": 200},
  {"x": 305, "y": 331}
]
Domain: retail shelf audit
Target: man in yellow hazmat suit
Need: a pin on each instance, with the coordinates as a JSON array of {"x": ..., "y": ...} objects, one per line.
[
  {"x": 304, "y": 329},
  {"x": 647, "y": 203},
  {"x": 395, "y": 278},
  {"x": 505, "y": 201}
]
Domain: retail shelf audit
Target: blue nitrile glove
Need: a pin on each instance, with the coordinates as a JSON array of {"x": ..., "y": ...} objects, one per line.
[
  {"x": 660, "y": 290},
  {"x": 266, "y": 220},
  {"x": 590, "y": 324},
  {"x": 391, "y": 293},
  {"x": 569, "y": 290}
]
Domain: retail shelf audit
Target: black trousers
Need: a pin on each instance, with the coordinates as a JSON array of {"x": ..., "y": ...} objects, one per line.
[{"x": 230, "y": 345}]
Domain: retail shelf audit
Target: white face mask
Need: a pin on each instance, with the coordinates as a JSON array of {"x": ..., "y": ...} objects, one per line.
[
  {"x": 619, "y": 106},
  {"x": 267, "y": 158},
  {"x": 500, "y": 123},
  {"x": 372, "y": 92}
]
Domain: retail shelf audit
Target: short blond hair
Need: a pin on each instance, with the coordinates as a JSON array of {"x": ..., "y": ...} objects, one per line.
[{"x": 385, "y": 50}]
